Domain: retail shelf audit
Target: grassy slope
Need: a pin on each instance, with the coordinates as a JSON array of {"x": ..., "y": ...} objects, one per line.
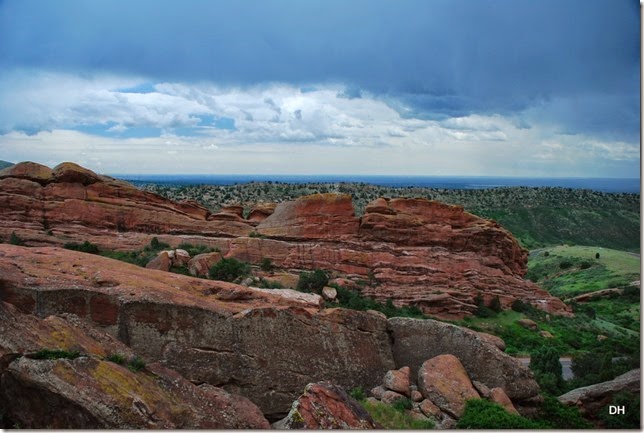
[{"x": 618, "y": 317}]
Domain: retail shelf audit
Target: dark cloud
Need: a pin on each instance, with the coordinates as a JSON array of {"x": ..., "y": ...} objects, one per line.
[{"x": 442, "y": 58}]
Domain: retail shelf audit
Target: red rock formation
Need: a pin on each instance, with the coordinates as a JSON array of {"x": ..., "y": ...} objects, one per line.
[
  {"x": 326, "y": 406},
  {"x": 319, "y": 216},
  {"x": 444, "y": 381},
  {"x": 412, "y": 251},
  {"x": 209, "y": 331},
  {"x": 75, "y": 202}
]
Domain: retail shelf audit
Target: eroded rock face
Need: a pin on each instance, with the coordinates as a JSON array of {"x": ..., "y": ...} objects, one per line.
[
  {"x": 91, "y": 392},
  {"x": 415, "y": 341},
  {"x": 72, "y": 200},
  {"x": 326, "y": 406},
  {"x": 209, "y": 331},
  {"x": 413, "y": 251},
  {"x": 318, "y": 216}
]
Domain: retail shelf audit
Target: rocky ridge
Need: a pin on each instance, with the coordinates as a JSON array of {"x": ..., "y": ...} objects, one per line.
[
  {"x": 412, "y": 251},
  {"x": 216, "y": 333}
]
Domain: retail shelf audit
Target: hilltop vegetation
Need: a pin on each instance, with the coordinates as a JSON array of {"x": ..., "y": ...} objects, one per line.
[
  {"x": 5, "y": 164},
  {"x": 537, "y": 217}
]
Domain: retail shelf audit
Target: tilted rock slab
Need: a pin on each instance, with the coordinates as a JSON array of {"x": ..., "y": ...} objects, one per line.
[
  {"x": 326, "y": 406},
  {"x": 591, "y": 399},
  {"x": 259, "y": 344},
  {"x": 90, "y": 392}
]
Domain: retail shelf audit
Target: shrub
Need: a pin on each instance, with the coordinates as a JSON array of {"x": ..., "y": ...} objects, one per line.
[
  {"x": 136, "y": 364},
  {"x": 631, "y": 417},
  {"x": 519, "y": 306},
  {"x": 560, "y": 416},
  {"x": 194, "y": 250},
  {"x": 266, "y": 265},
  {"x": 116, "y": 358},
  {"x": 547, "y": 369},
  {"x": 483, "y": 414},
  {"x": 565, "y": 264},
  {"x": 85, "y": 247},
  {"x": 390, "y": 418},
  {"x": 312, "y": 281},
  {"x": 358, "y": 393},
  {"x": 267, "y": 284},
  {"x": 228, "y": 270},
  {"x": 546, "y": 253},
  {"x": 402, "y": 404},
  {"x": 14, "y": 239},
  {"x": 156, "y": 245},
  {"x": 597, "y": 255}
]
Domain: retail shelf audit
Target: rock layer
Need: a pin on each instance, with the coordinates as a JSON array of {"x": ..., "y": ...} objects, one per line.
[
  {"x": 413, "y": 251},
  {"x": 209, "y": 331}
]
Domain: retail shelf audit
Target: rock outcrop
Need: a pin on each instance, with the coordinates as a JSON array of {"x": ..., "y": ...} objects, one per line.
[
  {"x": 413, "y": 251},
  {"x": 590, "y": 400},
  {"x": 326, "y": 406},
  {"x": 415, "y": 341},
  {"x": 56, "y": 373},
  {"x": 209, "y": 331}
]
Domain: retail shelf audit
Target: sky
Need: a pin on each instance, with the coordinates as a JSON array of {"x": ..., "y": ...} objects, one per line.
[{"x": 547, "y": 88}]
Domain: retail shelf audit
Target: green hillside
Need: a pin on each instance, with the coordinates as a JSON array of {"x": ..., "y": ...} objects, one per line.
[
  {"x": 4, "y": 164},
  {"x": 537, "y": 217}
]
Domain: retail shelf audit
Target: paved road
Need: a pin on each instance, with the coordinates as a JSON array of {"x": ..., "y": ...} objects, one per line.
[{"x": 566, "y": 366}]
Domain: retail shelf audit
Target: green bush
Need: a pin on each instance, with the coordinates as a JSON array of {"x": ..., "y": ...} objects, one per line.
[
  {"x": 560, "y": 416},
  {"x": 631, "y": 417},
  {"x": 391, "y": 418},
  {"x": 14, "y": 239},
  {"x": 116, "y": 358},
  {"x": 358, "y": 393},
  {"x": 267, "y": 265},
  {"x": 228, "y": 270},
  {"x": 547, "y": 369},
  {"x": 85, "y": 247},
  {"x": 483, "y": 414},
  {"x": 495, "y": 305},
  {"x": 519, "y": 306},
  {"x": 312, "y": 281},
  {"x": 136, "y": 364},
  {"x": 402, "y": 404},
  {"x": 156, "y": 245}
]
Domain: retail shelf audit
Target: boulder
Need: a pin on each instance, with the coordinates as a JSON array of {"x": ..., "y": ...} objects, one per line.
[
  {"x": 329, "y": 293},
  {"x": 528, "y": 324},
  {"x": 497, "y": 395},
  {"x": 181, "y": 257},
  {"x": 70, "y": 172},
  {"x": 326, "y": 406},
  {"x": 162, "y": 262},
  {"x": 444, "y": 381},
  {"x": 430, "y": 409},
  {"x": 493, "y": 339},
  {"x": 378, "y": 392},
  {"x": 590, "y": 400},
  {"x": 418, "y": 340},
  {"x": 390, "y": 397},
  {"x": 200, "y": 264},
  {"x": 416, "y": 396},
  {"x": 397, "y": 380}
]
